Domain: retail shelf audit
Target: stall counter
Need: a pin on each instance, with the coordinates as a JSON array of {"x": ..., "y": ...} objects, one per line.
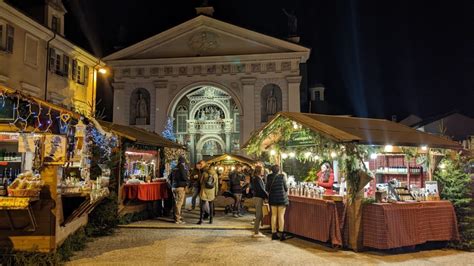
[{"x": 394, "y": 225}]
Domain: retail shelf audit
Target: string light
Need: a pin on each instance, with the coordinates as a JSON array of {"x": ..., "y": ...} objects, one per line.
[
  {"x": 424, "y": 148},
  {"x": 388, "y": 148},
  {"x": 307, "y": 154},
  {"x": 373, "y": 156},
  {"x": 273, "y": 152},
  {"x": 284, "y": 155},
  {"x": 292, "y": 155},
  {"x": 333, "y": 154},
  {"x": 50, "y": 121}
]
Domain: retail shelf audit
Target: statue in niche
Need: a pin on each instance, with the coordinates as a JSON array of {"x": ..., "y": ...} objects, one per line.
[
  {"x": 292, "y": 23},
  {"x": 141, "y": 110},
  {"x": 271, "y": 103}
]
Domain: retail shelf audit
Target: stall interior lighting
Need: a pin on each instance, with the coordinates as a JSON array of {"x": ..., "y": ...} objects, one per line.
[
  {"x": 424, "y": 148},
  {"x": 307, "y": 154},
  {"x": 284, "y": 155},
  {"x": 292, "y": 155},
  {"x": 138, "y": 153},
  {"x": 388, "y": 148},
  {"x": 373, "y": 156},
  {"x": 316, "y": 157},
  {"x": 228, "y": 158},
  {"x": 333, "y": 154},
  {"x": 273, "y": 152},
  {"x": 232, "y": 168},
  {"x": 296, "y": 126},
  {"x": 442, "y": 166}
]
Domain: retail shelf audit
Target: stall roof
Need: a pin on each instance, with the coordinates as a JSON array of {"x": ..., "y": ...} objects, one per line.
[
  {"x": 12, "y": 92},
  {"x": 233, "y": 157},
  {"x": 139, "y": 135},
  {"x": 365, "y": 130}
]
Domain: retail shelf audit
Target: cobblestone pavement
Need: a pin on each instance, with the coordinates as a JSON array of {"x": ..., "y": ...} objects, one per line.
[{"x": 130, "y": 246}]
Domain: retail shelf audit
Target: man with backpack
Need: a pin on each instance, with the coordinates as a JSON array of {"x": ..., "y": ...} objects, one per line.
[{"x": 179, "y": 180}]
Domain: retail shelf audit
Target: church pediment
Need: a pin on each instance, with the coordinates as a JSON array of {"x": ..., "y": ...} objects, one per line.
[{"x": 205, "y": 36}]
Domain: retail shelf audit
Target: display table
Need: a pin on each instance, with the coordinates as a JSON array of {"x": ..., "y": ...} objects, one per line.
[
  {"x": 317, "y": 219},
  {"x": 394, "y": 225},
  {"x": 8, "y": 204},
  {"x": 146, "y": 192}
]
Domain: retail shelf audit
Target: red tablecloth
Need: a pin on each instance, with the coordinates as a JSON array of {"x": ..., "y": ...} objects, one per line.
[
  {"x": 387, "y": 226},
  {"x": 317, "y": 219},
  {"x": 146, "y": 192}
]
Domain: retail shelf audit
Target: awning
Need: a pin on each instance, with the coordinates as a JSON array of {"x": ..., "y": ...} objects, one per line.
[
  {"x": 139, "y": 136},
  {"x": 231, "y": 157},
  {"x": 364, "y": 130}
]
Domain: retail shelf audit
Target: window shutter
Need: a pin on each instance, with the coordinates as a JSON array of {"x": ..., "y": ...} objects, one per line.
[
  {"x": 2, "y": 46},
  {"x": 52, "y": 59},
  {"x": 58, "y": 63},
  {"x": 66, "y": 65},
  {"x": 74, "y": 70},
  {"x": 10, "y": 38},
  {"x": 86, "y": 75},
  {"x": 78, "y": 75}
]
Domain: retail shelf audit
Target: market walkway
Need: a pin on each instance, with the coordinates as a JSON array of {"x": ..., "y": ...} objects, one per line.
[{"x": 236, "y": 247}]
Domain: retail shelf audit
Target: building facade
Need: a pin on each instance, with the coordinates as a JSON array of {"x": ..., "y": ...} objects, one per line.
[
  {"x": 217, "y": 82},
  {"x": 35, "y": 58}
]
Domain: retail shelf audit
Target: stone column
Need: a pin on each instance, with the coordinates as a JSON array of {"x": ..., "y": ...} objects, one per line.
[
  {"x": 192, "y": 141},
  {"x": 120, "y": 113},
  {"x": 228, "y": 134},
  {"x": 294, "y": 101},
  {"x": 161, "y": 100},
  {"x": 248, "y": 112}
]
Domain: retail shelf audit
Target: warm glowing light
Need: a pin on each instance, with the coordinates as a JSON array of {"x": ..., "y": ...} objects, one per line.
[
  {"x": 284, "y": 155},
  {"x": 228, "y": 158},
  {"x": 424, "y": 148},
  {"x": 295, "y": 125},
  {"x": 442, "y": 166},
  {"x": 307, "y": 154},
  {"x": 292, "y": 155},
  {"x": 316, "y": 157},
  {"x": 273, "y": 152},
  {"x": 232, "y": 168},
  {"x": 102, "y": 71},
  {"x": 373, "y": 156},
  {"x": 388, "y": 148},
  {"x": 333, "y": 154}
]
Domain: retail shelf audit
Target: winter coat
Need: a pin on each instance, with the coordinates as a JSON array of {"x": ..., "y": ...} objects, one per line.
[
  {"x": 234, "y": 182},
  {"x": 277, "y": 190},
  {"x": 259, "y": 188},
  {"x": 208, "y": 194},
  {"x": 179, "y": 176}
]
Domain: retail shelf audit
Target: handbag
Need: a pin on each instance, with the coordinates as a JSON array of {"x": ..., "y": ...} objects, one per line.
[
  {"x": 266, "y": 205},
  {"x": 210, "y": 183},
  {"x": 265, "y": 209}
]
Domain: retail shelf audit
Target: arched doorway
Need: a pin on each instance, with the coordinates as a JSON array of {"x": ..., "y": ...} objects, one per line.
[{"x": 207, "y": 120}]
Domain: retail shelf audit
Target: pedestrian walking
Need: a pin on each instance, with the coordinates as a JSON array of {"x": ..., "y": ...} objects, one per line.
[
  {"x": 209, "y": 188},
  {"x": 260, "y": 194},
  {"x": 278, "y": 200},
  {"x": 179, "y": 180}
]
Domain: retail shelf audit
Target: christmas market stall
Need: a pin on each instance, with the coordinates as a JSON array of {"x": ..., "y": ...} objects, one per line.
[
  {"x": 226, "y": 163},
  {"x": 358, "y": 182},
  {"x": 48, "y": 185},
  {"x": 145, "y": 160}
]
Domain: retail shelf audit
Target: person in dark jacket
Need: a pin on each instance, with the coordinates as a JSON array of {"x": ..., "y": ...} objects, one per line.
[
  {"x": 260, "y": 194},
  {"x": 236, "y": 180},
  {"x": 278, "y": 200},
  {"x": 179, "y": 180},
  {"x": 195, "y": 184}
]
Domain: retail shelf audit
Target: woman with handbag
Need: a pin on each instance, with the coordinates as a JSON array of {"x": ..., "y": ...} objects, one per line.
[
  {"x": 260, "y": 194},
  {"x": 209, "y": 188},
  {"x": 278, "y": 200}
]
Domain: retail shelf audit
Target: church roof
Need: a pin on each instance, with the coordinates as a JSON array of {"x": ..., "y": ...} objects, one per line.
[{"x": 204, "y": 36}]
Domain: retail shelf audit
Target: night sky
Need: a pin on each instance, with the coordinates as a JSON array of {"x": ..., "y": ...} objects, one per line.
[{"x": 375, "y": 58}]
